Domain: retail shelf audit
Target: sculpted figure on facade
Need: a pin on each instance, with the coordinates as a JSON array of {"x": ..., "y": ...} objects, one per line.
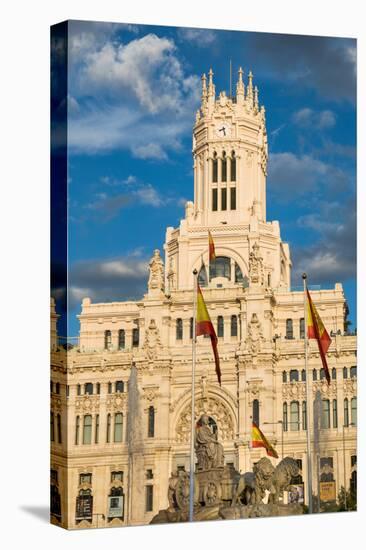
[
  {"x": 156, "y": 277},
  {"x": 255, "y": 334},
  {"x": 152, "y": 340},
  {"x": 256, "y": 272},
  {"x": 172, "y": 275},
  {"x": 210, "y": 453}
]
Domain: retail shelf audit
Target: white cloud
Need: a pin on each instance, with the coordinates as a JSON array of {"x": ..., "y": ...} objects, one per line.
[
  {"x": 198, "y": 37},
  {"x": 132, "y": 96},
  {"x": 307, "y": 117}
]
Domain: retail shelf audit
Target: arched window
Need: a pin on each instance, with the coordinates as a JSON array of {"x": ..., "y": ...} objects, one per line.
[
  {"x": 88, "y": 388},
  {"x": 294, "y": 416},
  {"x": 354, "y": 411},
  {"x": 335, "y": 414},
  {"x": 179, "y": 329},
  {"x": 303, "y": 375},
  {"x": 289, "y": 329},
  {"x": 345, "y": 413},
  {"x": 223, "y": 167},
  {"x": 345, "y": 372},
  {"x": 220, "y": 326},
  {"x": 334, "y": 374},
  {"x": 59, "y": 435},
  {"x": 108, "y": 435},
  {"x": 304, "y": 420},
  {"x": 302, "y": 328},
  {"x": 77, "y": 430},
  {"x": 255, "y": 413},
  {"x": 325, "y": 418},
  {"x": 214, "y": 168},
  {"x": 202, "y": 277},
  {"x": 284, "y": 376},
  {"x": 87, "y": 429},
  {"x": 315, "y": 374},
  {"x": 234, "y": 325},
  {"x": 107, "y": 339},
  {"x": 238, "y": 274},
  {"x": 294, "y": 375},
  {"x": 52, "y": 427},
  {"x": 284, "y": 418},
  {"x": 220, "y": 267},
  {"x": 118, "y": 427},
  {"x": 191, "y": 328},
  {"x": 151, "y": 422},
  {"x": 233, "y": 167},
  {"x": 121, "y": 339},
  {"x": 322, "y": 373}
]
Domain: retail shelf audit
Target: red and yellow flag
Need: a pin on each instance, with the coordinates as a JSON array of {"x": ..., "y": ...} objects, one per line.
[
  {"x": 317, "y": 330},
  {"x": 205, "y": 326},
  {"x": 211, "y": 247},
  {"x": 260, "y": 440}
]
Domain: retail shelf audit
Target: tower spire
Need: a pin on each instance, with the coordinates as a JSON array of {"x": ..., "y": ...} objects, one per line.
[
  {"x": 250, "y": 88},
  {"x": 240, "y": 91},
  {"x": 211, "y": 88},
  {"x": 256, "y": 102}
]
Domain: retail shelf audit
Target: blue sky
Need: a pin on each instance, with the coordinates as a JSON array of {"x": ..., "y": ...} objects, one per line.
[{"x": 133, "y": 92}]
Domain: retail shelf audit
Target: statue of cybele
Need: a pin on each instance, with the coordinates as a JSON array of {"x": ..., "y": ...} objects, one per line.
[{"x": 210, "y": 453}]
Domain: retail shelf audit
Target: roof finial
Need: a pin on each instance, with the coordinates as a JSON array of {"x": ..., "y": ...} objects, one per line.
[
  {"x": 240, "y": 91},
  {"x": 204, "y": 86},
  {"x": 250, "y": 88},
  {"x": 211, "y": 86}
]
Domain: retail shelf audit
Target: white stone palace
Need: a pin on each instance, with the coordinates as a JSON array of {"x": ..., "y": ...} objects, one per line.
[{"x": 259, "y": 322}]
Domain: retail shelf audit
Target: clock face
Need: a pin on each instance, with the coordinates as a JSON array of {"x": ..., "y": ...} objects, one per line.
[{"x": 223, "y": 129}]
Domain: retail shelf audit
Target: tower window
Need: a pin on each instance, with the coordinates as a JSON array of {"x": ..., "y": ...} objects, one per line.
[
  {"x": 233, "y": 168},
  {"x": 289, "y": 329},
  {"x": 214, "y": 200},
  {"x": 224, "y": 167},
  {"x": 256, "y": 411},
  {"x": 233, "y": 198},
  {"x": 121, "y": 339},
  {"x": 179, "y": 329},
  {"x": 107, "y": 339},
  {"x": 234, "y": 325},
  {"x": 151, "y": 422},
  {"x": 214, "y": 168},
  {"x": 224, "y": 199},
  {"x": 220, "y": 326}
]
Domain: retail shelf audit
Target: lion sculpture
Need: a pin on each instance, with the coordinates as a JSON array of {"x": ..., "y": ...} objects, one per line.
[{"x": 252, "y": 487}]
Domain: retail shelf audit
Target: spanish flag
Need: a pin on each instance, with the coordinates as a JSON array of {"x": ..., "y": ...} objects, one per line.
[
  {"x": 317, "y": 330},
  {"x": 211, "y": 247},
  {"x": 205, "y": 326},
  {"x": 260, "y": 440}
]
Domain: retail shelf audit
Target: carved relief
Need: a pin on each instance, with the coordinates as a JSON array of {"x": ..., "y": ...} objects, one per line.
[
  {"x": 152, "y": 341},
  {"x": 350, "y": 387},
  {"x": 254, "y": 387},
  {"x": 211, "y": 407},
  {"x": 255, "y": 334},
  {"x": 116, "y": 402},
  {"x": 150, "y": 394},
  {"x": 294, "y": 390},
  {"x": 87, "y": 403},
  {"x": 324, "y": 389}
]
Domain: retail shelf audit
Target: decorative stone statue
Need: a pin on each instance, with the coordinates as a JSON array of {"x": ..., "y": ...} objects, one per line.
[
  {"x": 210, "y": 453},
  {"x": 156, "y": 277},
  {"x": 256, "y": 273},
  {"x": 152, "y": 340},
  {"x": 255, "y": 334}
]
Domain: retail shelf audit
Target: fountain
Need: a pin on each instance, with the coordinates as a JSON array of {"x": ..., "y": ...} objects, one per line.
[
  {"x": 221, "y": 492},
  {"x": 135, "y": 452}
]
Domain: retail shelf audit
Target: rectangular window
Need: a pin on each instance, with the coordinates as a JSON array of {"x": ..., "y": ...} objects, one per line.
[
  {"x": 108, "y": 437},
  {"x": 233, "y": 198},
  {"x": 335, "y": 414},
  {"x": 96, "y": 438},
  {"x": 214, "y": 170},
  {"x": 52, "y": 427},
  {"x": 59, "y": 437},
  {"x": 149, "y": 474},
  {"x": 88, "y": 388},
  {"x": 117, "y": 476},
  {"x": 325, "y": 419},
  {"x": 304, "y": 419},
  {"x": 224, "y": 169},
  {"x": 87, "y": 429},
  {"x": 119, "y": 386},
  {"x": 214, "y": 200},
  {"x": 223, "y": 199},
  {"x": 118, "y": 427},
  {"x": 302, "y": 328},
  {"x": 151, "y": 422},
  {"x": 135, "y": 337},
  {"x": 77, "y": 430},
  {"x": 149, "y": 498},
  {"x": 85, "y": 478}
]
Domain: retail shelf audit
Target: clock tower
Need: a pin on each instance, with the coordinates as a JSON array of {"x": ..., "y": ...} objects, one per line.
[{"x": 230, "y": 155}]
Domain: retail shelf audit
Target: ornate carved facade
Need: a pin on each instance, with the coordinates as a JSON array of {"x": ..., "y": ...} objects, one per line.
[{"x": 259, "y": 321}]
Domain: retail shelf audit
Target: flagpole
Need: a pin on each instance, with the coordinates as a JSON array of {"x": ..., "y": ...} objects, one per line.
[
  {"x": 308, "y": 402},
  {"x": 192, "y": 461}
]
